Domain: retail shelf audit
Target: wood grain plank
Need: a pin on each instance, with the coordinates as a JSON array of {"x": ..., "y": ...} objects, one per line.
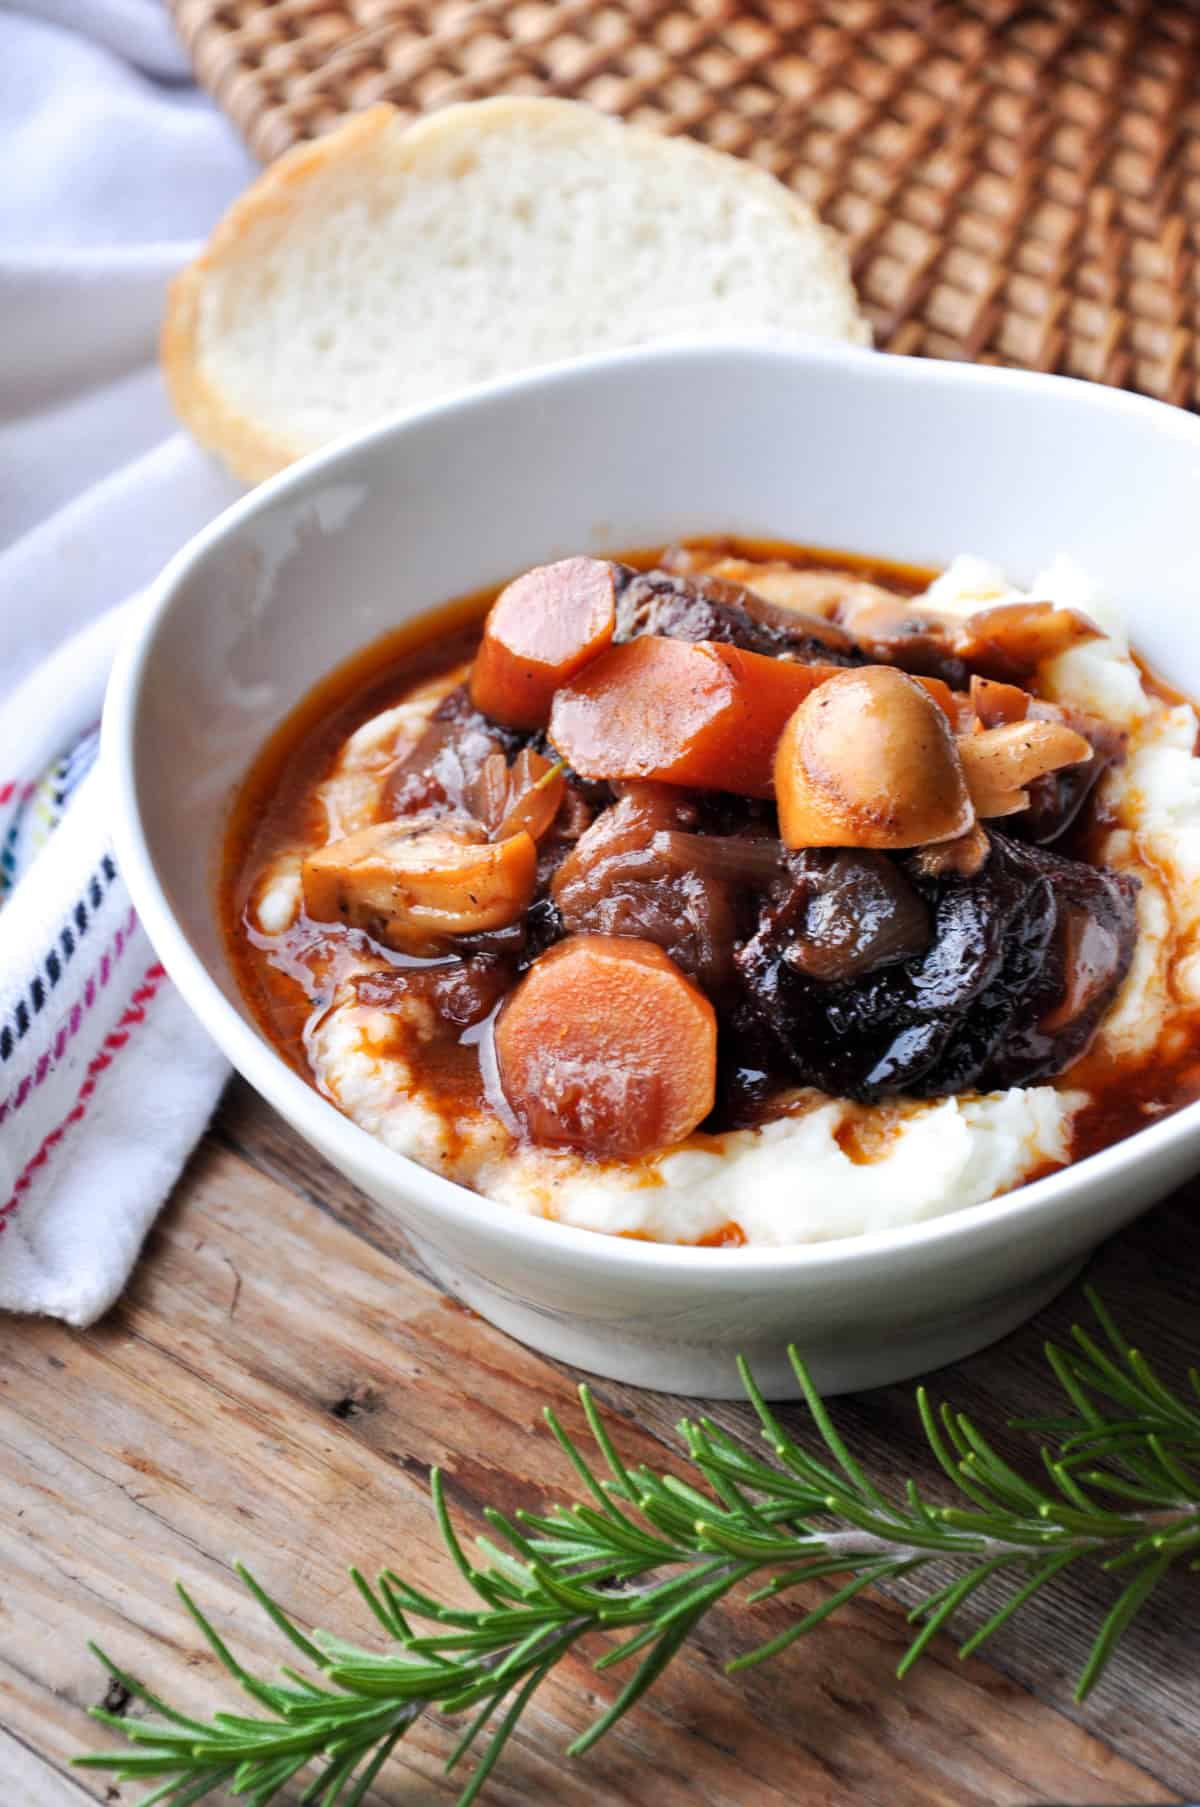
[
  {"x": 27, "y": 1780},
  {"x": 198, "y": 1422},
  {"x": 1148, "y": 1703}
]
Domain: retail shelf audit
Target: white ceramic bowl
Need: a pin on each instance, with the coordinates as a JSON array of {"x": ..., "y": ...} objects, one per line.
[{"x": 837, "y": 447}]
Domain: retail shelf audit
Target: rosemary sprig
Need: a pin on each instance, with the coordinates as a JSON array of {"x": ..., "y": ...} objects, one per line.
[{"x": 644, "y": 1556}]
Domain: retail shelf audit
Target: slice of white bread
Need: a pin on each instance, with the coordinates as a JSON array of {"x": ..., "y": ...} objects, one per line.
[{"x": 384, "y": 266}]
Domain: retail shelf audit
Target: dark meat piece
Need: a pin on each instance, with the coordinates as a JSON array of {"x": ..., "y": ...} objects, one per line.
[
  {"x": 543, "y": 927},
  {"x": 520, "y": 943},
  {"x": 462, "y": 992},
  {"x": 748, "y": 1070},
  {"x": 894, "y": 630},
  {"x": 710, "y": 608},
  {"x": 438, "y": 772},
  {"x": 1025, "y": 957},
  {"x": 641, "y": 871},
  {"x": 1085, "y": 962},
  {"x": 725, "y": 813},
  {"x": 850, "y": 913}
]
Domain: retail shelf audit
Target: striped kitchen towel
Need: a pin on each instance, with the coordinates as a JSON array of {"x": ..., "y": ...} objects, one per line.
[{"x": 106, "y": 1080}]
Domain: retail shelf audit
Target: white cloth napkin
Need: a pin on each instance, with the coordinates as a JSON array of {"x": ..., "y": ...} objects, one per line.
[{"x": 114, "y": 166}]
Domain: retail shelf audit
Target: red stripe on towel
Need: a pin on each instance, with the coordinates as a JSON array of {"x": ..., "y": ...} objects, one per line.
[
  {"x": 100, "y": 1061},
  {"x": 68, "y": 1030}
]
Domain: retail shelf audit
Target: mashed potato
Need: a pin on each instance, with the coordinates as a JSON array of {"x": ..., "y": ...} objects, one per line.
[{"x": 826, "y": 1167}]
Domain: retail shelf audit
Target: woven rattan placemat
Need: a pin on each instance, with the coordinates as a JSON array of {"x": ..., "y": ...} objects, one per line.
[{"x": 1018, "y": 183}]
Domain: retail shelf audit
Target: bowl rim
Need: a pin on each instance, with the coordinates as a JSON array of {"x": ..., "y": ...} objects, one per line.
[{"x": 986, "y": 1224}]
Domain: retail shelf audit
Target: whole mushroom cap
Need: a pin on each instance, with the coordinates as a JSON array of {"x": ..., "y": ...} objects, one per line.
[{"x": 870, "y": 760}]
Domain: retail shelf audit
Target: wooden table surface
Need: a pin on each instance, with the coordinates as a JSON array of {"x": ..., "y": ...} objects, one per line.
[{"x": 275, "y": 1385}]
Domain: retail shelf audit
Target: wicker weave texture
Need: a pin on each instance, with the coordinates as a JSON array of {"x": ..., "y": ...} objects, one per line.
[{"x": 1019, "y": 184}]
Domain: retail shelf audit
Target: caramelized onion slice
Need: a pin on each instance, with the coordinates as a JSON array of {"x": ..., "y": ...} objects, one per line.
[
  {"x": 868, "y": 760},
  {"x": 742, "y": 859},
  {"x": 606, "y": 1047},
  {"x": 536, "y": 786},
  {"x": 525, "y": 795},
  {"x": 411, "y": 882},
  {"x": 1000, "y": 762}
]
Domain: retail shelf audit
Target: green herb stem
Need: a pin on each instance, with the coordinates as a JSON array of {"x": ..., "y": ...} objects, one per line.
[{"x": 647, "y": 1556}]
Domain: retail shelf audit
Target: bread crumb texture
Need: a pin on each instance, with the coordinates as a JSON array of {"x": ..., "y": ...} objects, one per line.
[{"x": 384, "y": 267}]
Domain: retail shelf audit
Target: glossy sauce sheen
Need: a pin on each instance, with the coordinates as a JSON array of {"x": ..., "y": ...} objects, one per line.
[{"x": 277, "y": 809}]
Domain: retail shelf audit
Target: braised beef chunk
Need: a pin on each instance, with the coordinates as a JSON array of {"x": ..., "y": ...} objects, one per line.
[
  {"x": 1023, "y": 960},
  {"x": 851, "y": 912},
  {"x": 439, "y": 769},
  {"x": 543, "y": 927},
  {"x": 629, "y": 876},
  {"x": 863, "y": 973},
  {"x": 894, "y": 630},
  {"x": 710, "y": 608},
  {"x": 462, "y": 992},
  {"x": 1089, "y": 956}
]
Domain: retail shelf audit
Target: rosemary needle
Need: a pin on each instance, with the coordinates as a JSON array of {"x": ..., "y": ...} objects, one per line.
[{"x": 644, "y": 1557}]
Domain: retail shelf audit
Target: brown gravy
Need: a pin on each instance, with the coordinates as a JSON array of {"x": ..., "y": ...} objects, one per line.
[{"x": 277, "y": 808}]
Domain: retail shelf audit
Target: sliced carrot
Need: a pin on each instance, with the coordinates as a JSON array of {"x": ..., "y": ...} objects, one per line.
[
  {"x": 954, "y": 704},
  {"x": 606, "y": 1047},
  {"x": 681, "y": 712},
  {"x": 542, "y": 629}
]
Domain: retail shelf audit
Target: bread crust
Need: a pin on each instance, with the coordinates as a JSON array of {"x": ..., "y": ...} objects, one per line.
[
  {"x": 250, "y": 450},
  {"x": 250, "y": 447}
]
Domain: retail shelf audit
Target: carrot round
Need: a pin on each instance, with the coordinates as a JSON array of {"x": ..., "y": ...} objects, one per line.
[
  {"x": 606, "y": 1047},
  {"x": 680, "y": 712},
  {"x": 542, "y": 629}
]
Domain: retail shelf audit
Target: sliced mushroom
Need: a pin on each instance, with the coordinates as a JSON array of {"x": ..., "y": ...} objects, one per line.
[
  {"x": 869, "y": 760},
  {"x": 1000, "y": 762},
  {"x": 818, "y": 591},
  {"x": 411, "y": 882}
]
